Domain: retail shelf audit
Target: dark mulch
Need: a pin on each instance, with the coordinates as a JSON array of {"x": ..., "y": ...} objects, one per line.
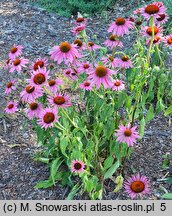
[{"x": 38, "y": 30}]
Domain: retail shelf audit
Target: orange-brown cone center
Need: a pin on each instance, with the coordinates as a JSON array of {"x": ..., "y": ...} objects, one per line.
[
  {"x": 68, "y": 72},
  {"x": 65, "y": 47},
  {"x": 78, "y": 42},
  {"x": 16, "y": 62},
  {"x": 80, "y": 19},
  {"x": 59, "y": 100},
  {"x": 13, "y": 50},
  {"x": 51, "y": 83},
  {"x": 49, "y": 117},
  {"x": 90, "y": 44},
  {"x": 156, "y": 39},
  {"x": 152, "y": 9},
  {"x": 39, "y": 78},
  {"x": 111, "y": 58},
  {"x": 77, "y": 166},
  {"x": 161, "y": 17},
  {"x": 127, "y": 132},
  {"x": 33, "y": 106},
  {"x": 125, "y": 58},
  {"x": 38, "y": 64},
  {"x": 149, "y": 30},
  {"x": 113, "y": 38},
  {"x": 101, "y": 71},
  {"x": 9, "y": 84},
  {"x": 10, "y": 106},
  {"x": 137, "y": 186},
  {"x": 117, "y": 83},
  {"x": 86, "y": 66},
  {"x": 86, "y": 84},
  {"x": 30, "y": 89},
  {"x": 169, "y": 40},
  {"x": 120, "y": 21}
]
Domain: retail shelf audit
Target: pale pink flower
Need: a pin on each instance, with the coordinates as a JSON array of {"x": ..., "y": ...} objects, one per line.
[
  {"x": 39, "y": 63},
  {"x": 10, "y": 86},
  {"x": 168, "y": 40},
  {"x": 120, "y": 27},
  {"x": 113, "y": 42},
  {"x": 17, "y": 64},
  {"x": 80, "y": 20},
  {"x": 48, "y": 117},
  {"x": 127, "y": 134},
  {"x": 124, "y": 62},
  {"x": 153, "y": 10},
  {"x": 118, "y": 85},
  {"x": 80, "y": 45},
  {"x": 87, "y": 85},
  {"x": 147, "y": 31},
  {"x": 84, "y": 67},
  {"x": 39, "y": 77},
  {"x": 31, "y": 93},
  {"x": 92, "y": 46},
  {"x": 59, "y": 100},
  {"x": 11, "y": 107},
  {"x": 53, "y": 84},
  {"x": 77, "y": 166},
  {"x": 137, "y": 185},
  {"x": 110, "y": 61},
  {"x": 101, "y": 75},
  {"x": 78, "y": 29},
  {"x": 34, "y": 110},
  {"x": 15, "y": 51},
  {"x": 7, "y": 64},
  {"x": 65, "y": 52}
]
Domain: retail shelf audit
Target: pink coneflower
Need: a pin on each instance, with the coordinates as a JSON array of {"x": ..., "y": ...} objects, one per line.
[
  {"x": 77, "y": 166},
  {"x": 10, "y": 86},
  {"x": 39, "y": 77},
  {"x": 101, "y": 75},
  {"x": 147, "y": 31},
  {"x": 79, "y": 44},
  {"x": 17, "y": 64},
  {"x": 78, "y": 29},
  {"x": 157, "y": 40},
  {"x": 92, "y": 46},
  {"x": 47, "y": 117},
  {"x": 121, "y": 26},
  {"x": 34, "y": 110},
  {"x": 15, "y": 51},
  {"x": 80, "y": 20},
  {"x": 87, "y": 85},
  {"x": 162, "y": 18},
  {"x": 118, "y": 85},
  {"x": 53, "y": 84},
  {"x": 65, "y": 52},
  {"x": 74, "y": 73},
  {"x": 67, "y": 73},
  {"x": 11, "y": 107},
  {"x": 113, "y": 42},
  {"x": 153, "y": 10},
  {"x": 168, "y": 40},
  {"x": 59, "y": 101},
  {"x": 7, "y": 64},
  {"x": 31, "y": 93},
  {"x": 110, "y": 61},
  {"x": 127, "y": 134},
  {"x": 124, "y": 62},
  {"x": 137, "y": 185},
  {"x": 84, "y": 67},
  {"x": 39, "y": 63}
]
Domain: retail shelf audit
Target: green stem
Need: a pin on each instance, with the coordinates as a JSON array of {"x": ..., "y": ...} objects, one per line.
[
  {"x": 152, "y": 39},
  {"x": 65, "y": 113}
]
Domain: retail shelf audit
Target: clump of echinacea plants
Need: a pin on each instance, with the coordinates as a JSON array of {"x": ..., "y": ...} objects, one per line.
[{"x": 114, "y": 91}]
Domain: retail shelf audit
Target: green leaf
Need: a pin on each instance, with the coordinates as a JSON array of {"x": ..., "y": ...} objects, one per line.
[
  {"x": 111, "y": 170},
  {"x": 169, "y": 180},
  {"x": 167, "y": 196},
  {"x": 53, "y": 169},
  {"x": 108, "y": 162},
  {"x": 142, "y": 127},
  {"x": 119, "y": 181},
  {"x": 63, "y": 145},
  {"x": 168, "y": 111},
  {"x": 150, "y": 114},
  {"x": 73, "y": 192},
  {"x": 44, "y": 184}
]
